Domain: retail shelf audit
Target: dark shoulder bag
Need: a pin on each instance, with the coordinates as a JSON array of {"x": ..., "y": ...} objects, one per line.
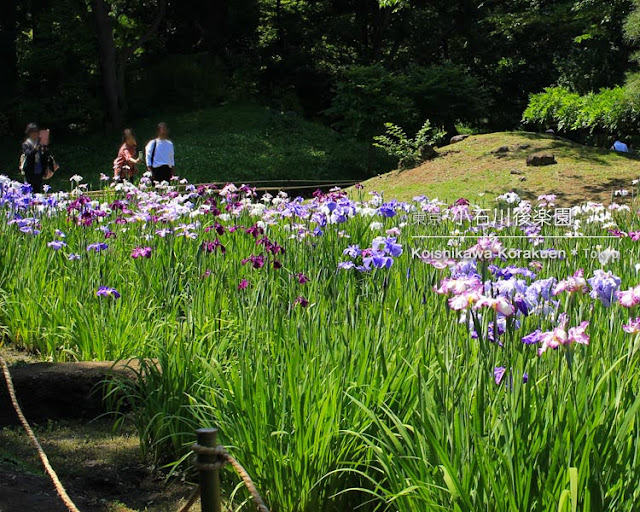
[{"x": 153, "y": 151}]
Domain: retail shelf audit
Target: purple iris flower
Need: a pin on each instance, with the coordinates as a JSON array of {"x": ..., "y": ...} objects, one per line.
[
  {"x": 330, "y": 205},
  {"x": 256, "y": 261},
  {"x": 387, "y": 210},
  {"x": 141, "y": 252},
  {"x": 302, "y": 279},
  {"x": 510, "y": 271},
  {"x": 107, "y": 291},
  {"x": 73, "y": 256},
  {"x": 213, "y": 246},
  {"x": 532, "y": 338},
  {"x": 346, "y": 265},
  {"x": 353, "y": 251},
  {"x": 392, "y": 247},
  {"x": 377, "y": 261},
  {"x": 254, "y": 231},
  {"x": 540, "y": 289},
  {"x": 498, "y": 375},
  {"x": 56, "y": 245},
  {"x": 464, "y": 268},
  {"x": 101, "y": 246},
  {"x": 302, "y": 301},
  {"x": 521, "y": 304},
  {"x": 604, "y": 286}
]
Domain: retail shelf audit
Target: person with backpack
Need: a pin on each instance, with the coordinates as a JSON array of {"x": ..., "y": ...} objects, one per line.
[
  {"x": 160, "y": 156},
  {"x": 36, "y": 164}
]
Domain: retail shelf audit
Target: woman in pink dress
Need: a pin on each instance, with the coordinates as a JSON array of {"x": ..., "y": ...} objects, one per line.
[{"x": 124, "y": 166}]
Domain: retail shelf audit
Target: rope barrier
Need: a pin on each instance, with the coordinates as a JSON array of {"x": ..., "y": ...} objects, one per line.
[
  {"x": 223, "y": 458},
  {"x": 273, "y": 188},
  {"x": 34, "y": 440},
  {"x": 219, "y": 452}
]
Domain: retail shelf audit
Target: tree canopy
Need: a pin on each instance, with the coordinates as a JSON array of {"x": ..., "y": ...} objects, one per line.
[{"x": 355, "y": 64}]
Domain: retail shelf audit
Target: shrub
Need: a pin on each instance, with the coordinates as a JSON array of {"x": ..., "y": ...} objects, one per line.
[
  {"x": 609, "y": 112},
  {"x": 446, "y": 94},
  {"x": 366, "y": 95},
  {"x": 410, "y": 151}
]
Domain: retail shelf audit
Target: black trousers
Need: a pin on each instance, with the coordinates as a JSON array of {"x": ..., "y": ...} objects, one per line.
[
  {"x": 162, "y": 173},
  {"x": 35, "y": 180}
]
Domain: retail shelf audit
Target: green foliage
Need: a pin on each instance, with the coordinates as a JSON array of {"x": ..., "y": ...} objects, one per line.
[
  {"x": 395, "y": 141},
  {"x": 367, "y": 94},
  {"x": 58, "y": 70},
  {"x": 632, "y": 33},
  {"x": 195, "y": 81},
  {"x": 447, "y": 94},
  {"x": 449, "y": 61},
  {"x": 240, "y": 142},
  {"x": 375, "y": 397},
  {"x": 632, "y": 23},
  {"x": 608, "y": 112}
]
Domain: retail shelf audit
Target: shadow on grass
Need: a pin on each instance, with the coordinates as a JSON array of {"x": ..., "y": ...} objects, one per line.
[
  {"x": 579, "y": 152},
  {"x": 610, "y": 185}
]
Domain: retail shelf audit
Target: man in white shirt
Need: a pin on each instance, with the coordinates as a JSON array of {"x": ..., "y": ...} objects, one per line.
[
  {"x": 159, "y": 155},
  {"x": 620, "y": 147}
]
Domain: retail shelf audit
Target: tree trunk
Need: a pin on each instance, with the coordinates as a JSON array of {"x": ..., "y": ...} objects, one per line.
[
  {"x": 108, "y": 63},
  {"x": 216, "y": 14},
  {"x": 8, "y": 55}
]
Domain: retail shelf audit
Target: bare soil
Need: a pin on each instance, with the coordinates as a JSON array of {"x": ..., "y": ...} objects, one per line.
[
  {"x": 102, "y": 468},
  {"x": 102, "y": 471}
]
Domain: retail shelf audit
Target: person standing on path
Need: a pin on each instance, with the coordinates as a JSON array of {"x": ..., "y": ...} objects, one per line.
[
  {"x": 35, "y": 162},
  {"x": 159, "y": 155},
  {"x": 124, "y": 166}
]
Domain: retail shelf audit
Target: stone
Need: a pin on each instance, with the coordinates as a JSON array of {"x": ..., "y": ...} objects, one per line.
[
  {"x": 408, "y": 162},
  {"x": 458, "y": 138},
  {"x": 500, "y": 150},
  {"x": 427, "y": 152},
  {"x": 516, "y": 171},
  {"x": 540, "y": 159}
]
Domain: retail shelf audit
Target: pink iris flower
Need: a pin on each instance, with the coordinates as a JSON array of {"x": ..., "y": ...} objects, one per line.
[
  {"x": 629, "y": 298},
  {"x": 574, "y": 283},
  {"x": 459, "y": 285},
  {"x": 633, "y": 327},
  {"x": 499, "y": 304},
  {"x": 560, "y": 336}
]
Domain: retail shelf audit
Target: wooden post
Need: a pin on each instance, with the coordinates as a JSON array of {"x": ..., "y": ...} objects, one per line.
[{"x": 209, "y": 479}]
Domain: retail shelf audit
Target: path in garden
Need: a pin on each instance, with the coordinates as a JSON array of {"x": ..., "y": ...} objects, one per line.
[{"x": 102, "y": 471}]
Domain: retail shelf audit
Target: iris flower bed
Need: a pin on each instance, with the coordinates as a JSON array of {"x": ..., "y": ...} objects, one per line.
[{"x": 345, "y": 366}]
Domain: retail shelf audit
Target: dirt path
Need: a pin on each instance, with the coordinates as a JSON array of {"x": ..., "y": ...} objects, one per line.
[
  {"x": 19, "y": 491},
  {"x": 103, "y": 471}
]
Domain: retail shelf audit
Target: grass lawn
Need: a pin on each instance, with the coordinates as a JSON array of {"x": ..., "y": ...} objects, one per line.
[
  {"x": 469, "y": 168},
  {"x": 228, "y": 143}
]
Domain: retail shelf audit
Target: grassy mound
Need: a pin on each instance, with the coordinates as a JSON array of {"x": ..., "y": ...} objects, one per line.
[
  {"x": 472, "y": 167},
  {"x": 227, "y": 143}
]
